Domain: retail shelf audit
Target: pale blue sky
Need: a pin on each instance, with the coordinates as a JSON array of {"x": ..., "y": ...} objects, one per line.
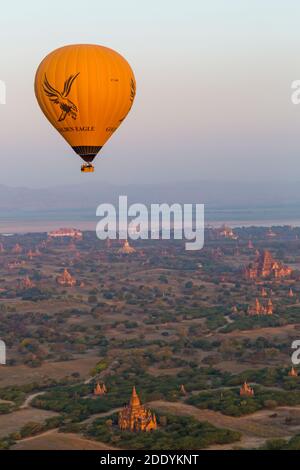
[{"x": 213, "y": 89}]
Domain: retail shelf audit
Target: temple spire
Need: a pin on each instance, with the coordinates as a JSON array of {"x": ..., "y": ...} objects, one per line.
[
  {"x": 135, "y": 416},
  {"x": 134, "y": 401}
]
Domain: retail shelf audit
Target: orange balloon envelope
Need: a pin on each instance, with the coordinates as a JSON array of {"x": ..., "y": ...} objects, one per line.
[{"x": 85, "y": 91}]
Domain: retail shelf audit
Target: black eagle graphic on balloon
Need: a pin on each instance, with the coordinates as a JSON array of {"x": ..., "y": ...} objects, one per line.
[
  {"x": 61, "y": 98},
  {"x": 131, "y": 97}
]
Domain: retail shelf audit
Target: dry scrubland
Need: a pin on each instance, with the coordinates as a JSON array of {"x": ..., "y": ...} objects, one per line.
[{"x": 156, "y": 318}]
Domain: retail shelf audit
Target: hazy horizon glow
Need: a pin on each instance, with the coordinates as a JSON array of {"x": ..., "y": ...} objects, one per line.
[{"x": 213, "y": 90}]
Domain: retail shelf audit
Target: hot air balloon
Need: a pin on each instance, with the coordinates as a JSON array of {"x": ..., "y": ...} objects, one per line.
[{"x": 85, "y": 91}]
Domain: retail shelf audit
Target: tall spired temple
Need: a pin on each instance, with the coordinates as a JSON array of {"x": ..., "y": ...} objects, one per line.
[
  {"x": 27, "y": 283},
  {"x": 265, "y": 266},
  {"x": 246, "y": 390},
  {"x": 100, "y": 389},
  {"x": 126, "y": 249},
  {"x": 293, "y": 372},
  {"x": 135, "y": 417},
  {"x": 66, "y": 279},
  {"x": 264, "y": 292},
  {"x": 260, "y": 309},
  {"x": 17, "y": 249}
]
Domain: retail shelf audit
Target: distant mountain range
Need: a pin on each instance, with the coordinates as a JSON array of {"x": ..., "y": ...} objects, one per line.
[{"x": 222, "y": 195}]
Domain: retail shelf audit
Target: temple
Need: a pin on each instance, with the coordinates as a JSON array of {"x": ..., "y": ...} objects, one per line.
[
  {"x": 250, "y": 245},
  {"x": 72, "y": 246},
  {"x": 108, "y": 243},
  {"x": 264, "y": 292},
  {"x": 135, "y": 417},
  {"x": 100, "y": 389},
  {"x": 271, "y": 234},
  {"x": 261, "y": 309},
  {"x": 293, "y": 373},
  {"x": 126, "y": 249},
  {"x": 33, "y": 254},
  {"x": 26, "y": 283},
  {"x": 66, "y": 232},
  {"x": 17, "y": 249},
  {"x": 265, "y": 266},
  {"x": 16, "y": 264},
  {"x": 246, "y": 390},
  {"x": 66, "y": 279},
  {"x": 225, "y": 232}
]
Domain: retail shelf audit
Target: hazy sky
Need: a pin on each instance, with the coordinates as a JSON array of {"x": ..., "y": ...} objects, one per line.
[{"x": 213, "y": 89}]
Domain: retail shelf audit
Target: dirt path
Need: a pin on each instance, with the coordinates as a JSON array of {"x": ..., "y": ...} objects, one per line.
[
  {"x": 149, "y": 271},
  {"x": 6, "y": 402},
  {"x": 246, "y": 442},
  {"x": 100, "y": 415},
  {"x": 266, "y": 332},
  {"x": 53, "y": 440},
  {"x": 87, "y": 381},
  {"x": 13, "y": 422},
  {"x": 255, "y": 428},
  {"x": 32, "y": 438},
  {"x": 29, "y": 399},
  {"x": 23, "y": 374}
]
